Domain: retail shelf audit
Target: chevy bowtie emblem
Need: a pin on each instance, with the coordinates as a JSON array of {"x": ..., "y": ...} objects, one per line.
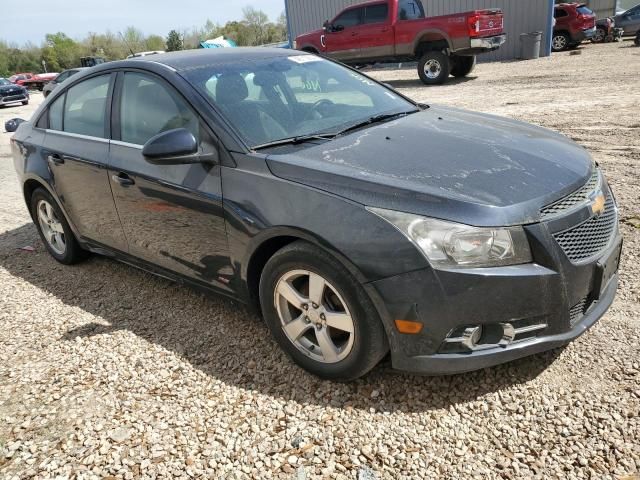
[{"x": 597, "y": 203}]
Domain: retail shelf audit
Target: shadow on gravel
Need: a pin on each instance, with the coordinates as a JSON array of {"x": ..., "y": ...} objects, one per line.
[
  {"x": 415, "y": 83},
  {"x": 226, "y": 342}
]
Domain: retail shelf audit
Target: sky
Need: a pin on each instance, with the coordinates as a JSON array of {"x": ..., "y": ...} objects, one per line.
[{"x": 29, "y": 21}]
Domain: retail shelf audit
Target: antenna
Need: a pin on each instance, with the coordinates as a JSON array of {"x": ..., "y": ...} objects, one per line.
[{"x": 125, "y": 42}]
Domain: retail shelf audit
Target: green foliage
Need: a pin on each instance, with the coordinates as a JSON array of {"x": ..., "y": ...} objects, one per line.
[
  {"x": 174, "y": 42},
  {"x": 60, "y": 51}
]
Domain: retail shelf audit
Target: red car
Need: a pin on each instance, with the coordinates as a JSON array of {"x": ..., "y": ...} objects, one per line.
[
  {"x": 574, "y": 23},
  {"x": 19, "y": 78},
  {"x": 398, "y": 31}
]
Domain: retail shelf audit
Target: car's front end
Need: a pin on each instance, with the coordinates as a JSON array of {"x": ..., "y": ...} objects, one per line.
[
  {"x": 474, "y": 317},
  {"x": 10, "y": 94}
]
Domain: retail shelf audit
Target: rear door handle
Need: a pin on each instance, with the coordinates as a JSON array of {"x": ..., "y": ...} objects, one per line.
[
  {"x": 55, "y": 159},
  {"x": 123, "y": 179}
]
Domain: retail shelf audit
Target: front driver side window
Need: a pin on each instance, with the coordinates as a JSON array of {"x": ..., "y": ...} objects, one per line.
[
  {"x": 350, "y": 18},
  {"x": 149, "y": 107}
]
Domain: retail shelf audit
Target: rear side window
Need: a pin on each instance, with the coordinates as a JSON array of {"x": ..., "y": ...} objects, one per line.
[
  {"x": 149, "y": 107},
  {"x": 84, "y": 111},
  {"x": 350, "y": 18},
  {"x": 376, "y": 14},
  {"x": 410, "y": 10},
  {"x": 55, "y": 113},
  {"x": 584, "y": 11},
  {"x": 559, "y": 13}
]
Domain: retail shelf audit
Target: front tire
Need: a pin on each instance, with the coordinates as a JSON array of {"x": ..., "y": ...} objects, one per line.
[
  {"x": 319, "y": 313},
  {"x": 463, "y": 66},
  {"x": 434, "y": 68},
  {"x": 26, "y": 102},
  {"x": 54, "y": 230}
]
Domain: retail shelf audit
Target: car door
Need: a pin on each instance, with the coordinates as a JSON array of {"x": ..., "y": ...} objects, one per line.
[
  {"x": 375, "y": 35},
  {"x": 340, "y": 39},
  {"x": 77, "y": 148},
  {"x": 171, "y": 214}
]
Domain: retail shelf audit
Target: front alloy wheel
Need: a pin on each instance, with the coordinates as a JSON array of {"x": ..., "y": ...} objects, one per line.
[
  {"x": 319, "y": 314},
  {"x": 314, "y": 316}
]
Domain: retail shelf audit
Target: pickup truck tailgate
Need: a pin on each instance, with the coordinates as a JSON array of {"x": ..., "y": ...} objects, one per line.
[{"x": 486, "y": 23}]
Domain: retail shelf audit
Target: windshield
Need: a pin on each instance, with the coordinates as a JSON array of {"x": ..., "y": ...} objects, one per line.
[
  {"x": 584, "y": 11},
  {"x": 282, "y": 97},
  {"x": 4, "y": 81}
]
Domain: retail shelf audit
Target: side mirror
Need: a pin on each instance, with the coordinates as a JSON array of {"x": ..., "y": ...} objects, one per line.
[
  {"x": 337, "y": 28},
  {"x": 174, "y": 147},
  {"x": 325, "y": 26}
]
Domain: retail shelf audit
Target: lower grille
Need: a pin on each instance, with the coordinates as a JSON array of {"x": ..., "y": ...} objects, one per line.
[
  {"x": 12, "y": 98},
  {"x": 579, "y": 310},
  {"x": 590, "y": 237}
]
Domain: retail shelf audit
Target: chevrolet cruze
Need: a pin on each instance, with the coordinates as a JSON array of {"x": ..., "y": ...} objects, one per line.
[{"x": 358, "y": 222}]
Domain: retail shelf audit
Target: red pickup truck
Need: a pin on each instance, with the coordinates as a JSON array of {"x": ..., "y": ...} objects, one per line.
[{"x": 399, "y": 31}]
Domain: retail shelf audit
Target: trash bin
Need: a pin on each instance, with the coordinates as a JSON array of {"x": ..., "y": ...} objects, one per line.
[{"x": 530, "y": 45}]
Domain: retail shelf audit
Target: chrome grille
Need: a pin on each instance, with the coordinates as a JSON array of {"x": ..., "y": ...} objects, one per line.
[
  {"x": 572, "y": 200},
  {"x": 590, "y": 237}
]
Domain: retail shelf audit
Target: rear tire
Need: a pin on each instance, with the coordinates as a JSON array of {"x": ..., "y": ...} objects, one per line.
[
  {"x": 600, "y": 36},
  {"x": 463, "y": 66},
  {"x": 334, "y": 331},
  {"x": 434, "y": 68},
  {"x": 560, "y": 42},
  {"x": 26, "y": 102},
  {"x": 55, "y": 233}
]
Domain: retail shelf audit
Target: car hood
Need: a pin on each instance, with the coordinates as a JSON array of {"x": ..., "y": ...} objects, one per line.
[
  {"x": 9, "y": 88},
  {"x": 445, "y": 163}
]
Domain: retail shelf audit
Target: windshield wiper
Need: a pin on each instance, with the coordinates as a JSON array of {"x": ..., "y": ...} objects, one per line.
[
  {"x": 375, "y": 119},
  {"x": 295, "y": 140}
]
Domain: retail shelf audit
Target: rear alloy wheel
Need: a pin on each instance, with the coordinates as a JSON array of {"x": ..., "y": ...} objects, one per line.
[
  {"x": 559, "y": 42},
  {"x": 600, "y": 36},
  {"x": 54, "y": 229},
  {"x": 319, "y": 313},
  {"x": 434, "y": 68}
]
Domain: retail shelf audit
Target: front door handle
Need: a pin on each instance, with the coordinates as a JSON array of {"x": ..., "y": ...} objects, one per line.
[
  {"x": 123, "y": 179},
  {"x": 55, "y": 159}
]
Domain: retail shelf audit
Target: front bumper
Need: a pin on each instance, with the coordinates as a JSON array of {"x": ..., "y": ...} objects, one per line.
[
  {"x": 488, "y": 43},
  {"x": 551, "y": 302},
  {"x": 17, "y": 98}
]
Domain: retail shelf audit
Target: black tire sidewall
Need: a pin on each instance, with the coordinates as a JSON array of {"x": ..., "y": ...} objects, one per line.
[
  {"x": 370, "y": 344},
  {"x": 463, "y": 66},
  {"x": 444, "y": 62},
  {"x": 73, "y": 252}
]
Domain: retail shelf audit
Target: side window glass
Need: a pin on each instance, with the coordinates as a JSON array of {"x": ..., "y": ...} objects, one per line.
[
  {"x": 410, "y": 10},
  {"x": 149, "y": 107},
  {"x": 62, "y": 77},
  {"x": 376, "y": 14},
  {"x": 350, "y": 18},
  {"x": 84, "y": 111},
  {"x": 55, "y": 113}
]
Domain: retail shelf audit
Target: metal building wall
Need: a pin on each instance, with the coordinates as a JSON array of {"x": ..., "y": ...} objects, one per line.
[
  {"x": 602, "y": 8},
  {"x": 521, "y": 16}
]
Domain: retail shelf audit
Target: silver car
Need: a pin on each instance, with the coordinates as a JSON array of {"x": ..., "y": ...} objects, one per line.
[{"x": 53, "y": 84}]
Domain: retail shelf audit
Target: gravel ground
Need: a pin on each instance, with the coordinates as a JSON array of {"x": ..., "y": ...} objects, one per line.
[{"x": 108, "y": 372}]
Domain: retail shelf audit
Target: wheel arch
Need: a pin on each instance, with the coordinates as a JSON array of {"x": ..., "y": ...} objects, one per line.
[
  {"x": 30, "y": 185},
  {"x": 432, "y": 39},
  {"x": 310, "y": 49},
  {"x": 264, "y": 245}
]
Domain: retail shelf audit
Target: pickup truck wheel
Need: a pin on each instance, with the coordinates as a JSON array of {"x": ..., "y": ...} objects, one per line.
[
  {"x": 463, "y": 66},
  {"x": 560, "y": 42},
  {"x": 434, "y": 68}
]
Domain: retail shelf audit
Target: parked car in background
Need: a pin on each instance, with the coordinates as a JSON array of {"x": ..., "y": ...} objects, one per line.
[
  {"x": 19, "y": 78},
  {"x": 356, "y": 220},
  {"x": 12, "y": 93},
  {"x": 53, "y": 84},
  {"x": 39, "y": 80},
  {"x": 574, "y": 23},
  {"x": 606, "y": 31},
  {"x": 629, "y": 21},
  {"x": 637, "y": 39},
  {"x": 91, "y": 61},
  {"x": 399, "y": 30}
]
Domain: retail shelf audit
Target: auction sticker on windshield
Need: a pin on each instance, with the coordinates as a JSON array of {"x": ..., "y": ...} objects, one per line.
[{"x": 305, "y": 59}]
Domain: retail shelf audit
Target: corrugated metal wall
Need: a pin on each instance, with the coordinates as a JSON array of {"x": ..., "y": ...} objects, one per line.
[{"x": 521, "y": 16}]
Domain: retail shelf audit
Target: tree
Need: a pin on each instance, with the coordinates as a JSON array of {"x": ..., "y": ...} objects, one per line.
[
  {"x": 256, "y": 22},
  {"x": 61, "y": 51},
  {"x": 174, "y": 41},
  {"x": 154, "y": 43}
]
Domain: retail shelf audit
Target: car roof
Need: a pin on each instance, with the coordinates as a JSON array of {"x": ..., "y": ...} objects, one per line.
[{"x": 187, "y": 59}]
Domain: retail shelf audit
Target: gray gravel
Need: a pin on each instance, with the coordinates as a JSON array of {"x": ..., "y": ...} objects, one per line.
[{"x": 108, "y": 372}]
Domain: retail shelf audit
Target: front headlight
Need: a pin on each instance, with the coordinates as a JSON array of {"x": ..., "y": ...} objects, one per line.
[{"x": 448, "y": 244}]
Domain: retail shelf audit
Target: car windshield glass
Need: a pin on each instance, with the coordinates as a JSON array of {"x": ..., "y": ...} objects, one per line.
[
  {"x": 584, "y": 11},
  {"x": 270, "y": 99},
  {"x": 4, "y": 81}
]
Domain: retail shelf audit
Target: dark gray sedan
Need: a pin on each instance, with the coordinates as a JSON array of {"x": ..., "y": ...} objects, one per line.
[{"x": 357, "y": 221}]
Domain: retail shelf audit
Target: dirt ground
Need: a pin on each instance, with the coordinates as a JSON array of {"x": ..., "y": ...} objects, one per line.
[{"x": 108, "y": 372}]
